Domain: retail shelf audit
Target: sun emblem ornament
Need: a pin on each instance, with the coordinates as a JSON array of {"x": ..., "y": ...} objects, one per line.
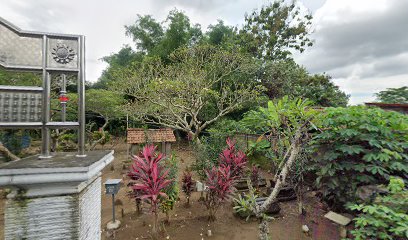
[{"x": 63, "y": 54}]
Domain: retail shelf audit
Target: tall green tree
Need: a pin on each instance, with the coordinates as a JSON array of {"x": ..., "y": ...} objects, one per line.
[
  {"x": 276, "y": 29},
  {"x": 115, "y": 61},
  {"x": 180, "y": 32},
  {"x": 287, "y": 78},
  {"x": 175, "y": 94},
  {"x": 103, "y": 104},
  {"x": 220, "y": 33},
  {"x": 146, "y": 32},
  {"x": 393, "y": 95}
]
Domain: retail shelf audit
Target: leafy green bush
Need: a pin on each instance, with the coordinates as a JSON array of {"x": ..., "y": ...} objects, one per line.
[
  {"x": 244, "y": 205},
  {"x": 260, "y": 153},
  {"x": 386, "y": 218},
  {"x": 13, "y": 140},
  {"x": 96, "y": 135},
  {"x": 359, "y": 146},
  {"x": 172, "y": 190},
  {"x": 212, "y": 144}
]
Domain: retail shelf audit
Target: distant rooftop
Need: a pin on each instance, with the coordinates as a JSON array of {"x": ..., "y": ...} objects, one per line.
[{"x": 140, "y": 135}]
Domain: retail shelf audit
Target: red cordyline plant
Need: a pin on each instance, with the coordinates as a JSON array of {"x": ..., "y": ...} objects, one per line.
[
  {"x": 220, "y": 185},
  {"x": 236, "y": 160},
  {"x": 152, "y": 179},
  {"x": 187, "y": 185}
]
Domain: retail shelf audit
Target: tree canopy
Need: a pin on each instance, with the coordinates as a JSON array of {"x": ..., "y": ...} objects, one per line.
[
  {"x": 161, "y": 71},
  {"x": 175, "y": 95},
  {"x": 275, "y": 29},
  {"x": 287, "y": 78},
  {"x": 393, "y": 95}
]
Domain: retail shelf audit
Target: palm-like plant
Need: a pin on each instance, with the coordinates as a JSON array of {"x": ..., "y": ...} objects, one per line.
[
  {"x": 220, "y": 183},
  {"x": 187, "y": 185},
  {"x": 236, "y": 160},
  {"x": 153, "y": 179}
]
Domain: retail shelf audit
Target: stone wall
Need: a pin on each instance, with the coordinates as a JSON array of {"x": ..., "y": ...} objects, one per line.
[
  {"x": 74, "y": 216},
  {"x": 90, "y": 207}
]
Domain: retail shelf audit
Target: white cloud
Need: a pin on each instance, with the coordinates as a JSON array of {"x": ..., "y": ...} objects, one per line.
[{"x": 362, "y": 44}]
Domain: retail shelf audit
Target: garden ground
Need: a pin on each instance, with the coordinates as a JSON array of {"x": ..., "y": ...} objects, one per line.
[{"x": 191, "y": 223}]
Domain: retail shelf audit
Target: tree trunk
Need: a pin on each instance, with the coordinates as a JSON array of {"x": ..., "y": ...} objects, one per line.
[
  {"x": 95, "y": 143},
  {"x": 211, "y": 215},
  {"x": 299, "y": 195},
  {"x": 155, "y": 232},
  {"x": 259, "y": 210},
  {"x": 138, "y": 203},
  {"x": 167, "y": 220},
  {"x": 263, "y": 229},
  {"x": 8, "y": 154}
]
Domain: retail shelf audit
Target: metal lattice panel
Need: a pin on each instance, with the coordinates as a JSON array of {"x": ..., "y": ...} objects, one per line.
[
  {"x": 18, "y": 50},
  {"x": 52, "y": 54},
  {"x": 20, "y": 104}
]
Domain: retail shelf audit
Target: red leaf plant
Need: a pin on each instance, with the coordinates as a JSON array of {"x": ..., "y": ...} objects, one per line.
[
  {"x": 187, "y": 185},
  {"x": 237, "y": 160},
  {"x": 220, "y": 186},
  {"x": 152, "y": 179}
]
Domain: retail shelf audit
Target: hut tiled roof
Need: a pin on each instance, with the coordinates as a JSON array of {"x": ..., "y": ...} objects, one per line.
[{"x": 140, "y": 135}]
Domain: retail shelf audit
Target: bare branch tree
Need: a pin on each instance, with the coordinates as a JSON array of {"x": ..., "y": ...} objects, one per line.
[{"x": 200, "y": 85}]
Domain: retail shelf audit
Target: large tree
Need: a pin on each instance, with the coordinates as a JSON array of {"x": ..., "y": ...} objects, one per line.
[
  {"x": 176, "y": 94},
  {"x": 393, "y": 95},
  {"x": 115, "y": 61},
  {"x": 100, "y": 104},
  {"x": 287, "y": 78},
  {"x": 275, "y": 29},
  {"x": 220, "y": 33},
  {"x": 146, "y": 32}
]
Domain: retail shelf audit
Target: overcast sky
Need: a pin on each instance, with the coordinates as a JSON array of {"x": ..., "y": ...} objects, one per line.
[{"x": 362, "y": 44}]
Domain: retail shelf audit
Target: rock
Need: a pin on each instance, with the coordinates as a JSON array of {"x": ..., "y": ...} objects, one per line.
[
  {"x": 273, "y": 209},
  {"x": 343, "y": 232},
  {"x": 368, "y": 193},
  {"x": 199, "y": 186},
  {"x": 337, "y": 218},
  {"x": 242, "y": 184},
  {"x": 209, "y": 233},
  {"x": 113, "y": 225},
  {"x": 305, "y": 228}
]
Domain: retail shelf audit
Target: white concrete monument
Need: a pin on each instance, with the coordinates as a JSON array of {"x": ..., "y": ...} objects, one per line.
[{"x": 54, "y": 195}]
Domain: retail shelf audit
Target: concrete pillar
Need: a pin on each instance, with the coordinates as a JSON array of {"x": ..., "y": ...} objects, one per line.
[{"x": 62, "y": 201}]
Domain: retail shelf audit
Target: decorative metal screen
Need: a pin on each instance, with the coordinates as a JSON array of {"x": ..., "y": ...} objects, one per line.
[
  {"x": 16, "y": 50},
  {"x": 53, "y": 55},
  {"x": 20, "y": 104}
]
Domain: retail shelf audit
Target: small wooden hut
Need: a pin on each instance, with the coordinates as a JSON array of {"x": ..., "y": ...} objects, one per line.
[{"x": 162, "y": 137}]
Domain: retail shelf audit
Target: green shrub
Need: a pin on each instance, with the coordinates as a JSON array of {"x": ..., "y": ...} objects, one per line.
[
  {"x": 96, "y": 135},
  {"x": 260, "y": 153},
  {"x": 359, "y": 146},
  {"x": 386, "y": 218},
  {"x": 244, "y": 205},
  {"x": 212, "y": 144},
  {"x": 172, "y": 190}
]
